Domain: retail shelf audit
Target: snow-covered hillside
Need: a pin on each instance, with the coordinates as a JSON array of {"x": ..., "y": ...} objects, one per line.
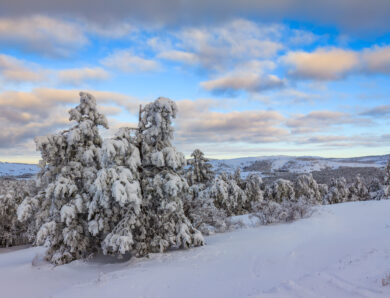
[
  {"x": 17, "y": 169},
  {"x": 264, "y": 164},
  {"x": 343, "y": 250},
  {"x": 272, "y": 164}
]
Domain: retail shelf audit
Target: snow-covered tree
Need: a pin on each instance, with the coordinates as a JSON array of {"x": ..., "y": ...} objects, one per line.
[
  {"x": 164, "y": 189},
  {"x": 306, "y": 188},
  {"x": 200, "y": 209},
  {"x": 227, "y": 195},
  {"x": 199, "y": 170},
  {"x": 376, "y": 190},
  {"x": 238, "y": 179},
  {"x": 253, "y": 191},
  {"x": 386, "y": 184},
  {"x": 114, "y": 213},
  {"x": 338, "y": 191},
  {"x": 12, "y": 193},
  {"x": 280, "y": 190},
  {"x": 70, "y": 162},
  {"x": 198, "y": 205},
  {"x": 358, "y": 190}
]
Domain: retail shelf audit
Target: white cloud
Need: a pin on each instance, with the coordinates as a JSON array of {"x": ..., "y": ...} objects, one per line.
[
  {"x": 18, "y": 71},
  {"x": 322, "y": 64},
  {"x": 248, "y": 77},
  {"x": 126, "y": 61},
  {"x": 77, "y": 76},
  {"x": 47, "y": 36}
]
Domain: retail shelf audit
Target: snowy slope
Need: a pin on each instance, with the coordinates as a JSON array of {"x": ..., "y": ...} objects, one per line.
[
  {"x": 341, "y": 251},
  {"x": 17, "y": 169},
  {"x": 305, "y": 164},
  {"x": 277, "y": 163}
]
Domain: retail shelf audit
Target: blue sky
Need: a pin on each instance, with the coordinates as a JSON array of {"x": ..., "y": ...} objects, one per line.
[{"x": 254, "y": 79}]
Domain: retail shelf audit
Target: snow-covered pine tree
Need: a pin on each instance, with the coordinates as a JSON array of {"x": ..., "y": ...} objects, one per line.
[
  {"x": 307, "y": 189},
  {"x": 164, "y": 189},
  {"x": 281, "y": 204},
  {"x": 358, "y": 190},
  {"x": 228, "y": 195},
  {"x": 199, "y": 170},
  {"x": 338, "y": 191},
  {"x": 280, "y": 190},
  {"x": 376, "y": 190},
  {"x": 386, "y": 188},
  {"x": 253, "y": 191},
  {"x": 114, "y": 214},
  {"x": 12, "y": 193},
  {"x": 70, "y": 162},
  {"x": 198, "y": 206},
  {"x": 237, "y": 177}
]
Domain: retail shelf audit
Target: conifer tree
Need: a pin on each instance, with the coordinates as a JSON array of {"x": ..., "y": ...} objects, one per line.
[
  {"x": 358, "y": 190},
  {"x": 114, "y": 214},
  {"x": 12, "y": 193},
  {"x": 199, "y": 171},
  {"x": 306, "y": 188},
  {"x": 70, "y": 162},
  {"x": 338, "y": 191},
  {"x": 164, "y": 189}
]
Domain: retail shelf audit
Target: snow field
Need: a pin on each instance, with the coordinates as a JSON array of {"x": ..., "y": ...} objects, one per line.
[{"x": 343, "y": 250}]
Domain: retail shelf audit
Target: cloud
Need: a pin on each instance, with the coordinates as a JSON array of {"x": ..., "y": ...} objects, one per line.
[
  {"x": 179, "y": 56},
  {"x": 377, "y": 60},
  {"x": 47, "y": 36},
  {"x": 219, "y": 47},
  {"x": 126, "y": 61},
  {"x": 77, "y": 76},
  {"x": 18, "y": 71},
  {"x": 42, "y": 111},
  {"x": 379, "y": 111},
  {"x": 196, "y": 123},
  {"x": 322, "y": 64},
  {"x": 319, "y": 120},
  {"x": 249, "y": 77},
  {"x": 352, "y": 16},
  {"x": 251, "y": 82}
]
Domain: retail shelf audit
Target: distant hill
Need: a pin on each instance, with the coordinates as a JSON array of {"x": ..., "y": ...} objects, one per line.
[
  {"x": 20, "y": 170},
  {"x": 264, "y": 165}
]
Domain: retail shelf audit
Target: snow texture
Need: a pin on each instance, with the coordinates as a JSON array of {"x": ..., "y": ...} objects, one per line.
[{"x": 341, "y": 251}]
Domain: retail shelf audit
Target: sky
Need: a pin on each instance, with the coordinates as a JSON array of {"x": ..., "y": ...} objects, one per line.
[{"x": 250, "y": 78}]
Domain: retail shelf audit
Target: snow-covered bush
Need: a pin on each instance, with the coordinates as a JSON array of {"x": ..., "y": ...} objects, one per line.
[
  {"x": 227, "y": 195},
  {"x": 198, "y": 205},
  {"x": 273, "y": 212},
  {"x": 114, "y": 214},
  {"x": 280, "y": 190},
  {"x": 70, "y": 161},
  {"x": 307, "y": 189},
  {"x": 200, "y": 209},
  {"x": 376, "y": 190},
  {"x": 338, "y": 191},
  {"x": 12, "y": 193},
  {"x": 358, "y": 190},
  {"x": 164, "y": 189}
]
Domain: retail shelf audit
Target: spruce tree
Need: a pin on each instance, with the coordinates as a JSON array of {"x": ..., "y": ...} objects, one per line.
[
  {"x": 70, "y": 162},
  {"x": 164, "y": 188}
]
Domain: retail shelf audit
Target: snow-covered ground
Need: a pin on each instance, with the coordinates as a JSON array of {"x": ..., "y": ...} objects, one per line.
[
  {"x": 341, "y": 251},
  {"x": 17, "y": 169},
  {"x": 305, "y": 164}
]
